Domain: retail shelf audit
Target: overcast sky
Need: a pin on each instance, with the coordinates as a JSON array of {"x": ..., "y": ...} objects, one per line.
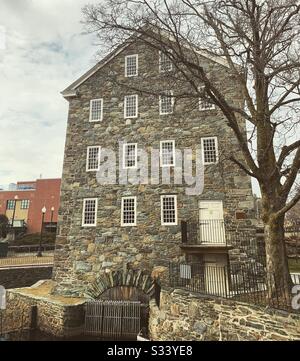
[{"x": 42, "y": 50}]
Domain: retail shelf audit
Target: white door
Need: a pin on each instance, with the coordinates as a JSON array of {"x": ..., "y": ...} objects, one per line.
[
  {"x": 216, "y": 274},
  {"x": 211, "y": 222}
]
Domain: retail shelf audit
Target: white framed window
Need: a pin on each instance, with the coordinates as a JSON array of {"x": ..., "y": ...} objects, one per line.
[
  {"x": 25, "y": 203},
  {"x": 96, "y": 110},
  {"x": 131, "y": 106},
  {"x": 166, "y": 103},
  {"x": 167, "y": 153},
  {"x": 168, "y": 210},
  {"x": 131, "y": 65},
  {"x": 128, "y": 211},
  {"x": 89, "y": 212},
  {"x": 10, "y": 204},
  {"x": 165, "y": 63},
  {"x": 129, "y": 155},
  {"x": 209, "y": 148},
  {"x": 205, "y": 103},
  {"x": 93, "y": 158}
]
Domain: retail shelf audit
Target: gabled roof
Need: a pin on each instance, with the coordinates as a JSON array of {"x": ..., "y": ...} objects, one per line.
[{"x": 71, "y": 90}]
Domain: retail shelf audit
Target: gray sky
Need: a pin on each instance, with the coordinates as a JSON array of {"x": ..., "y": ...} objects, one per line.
[{"x": 42, "y": 50}]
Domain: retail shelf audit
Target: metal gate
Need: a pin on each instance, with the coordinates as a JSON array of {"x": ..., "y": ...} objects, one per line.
[{"x": 113, "y": 319}]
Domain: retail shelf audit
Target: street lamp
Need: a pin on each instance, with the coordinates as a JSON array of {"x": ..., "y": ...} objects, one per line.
[
  {"x": 39, "y": 254},
  {"x": 14, "y": 212},
  {"x": 52, "y": 211}
]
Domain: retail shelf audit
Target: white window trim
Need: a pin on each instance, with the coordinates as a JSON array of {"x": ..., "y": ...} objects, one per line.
[
  {"x": 124, "y": 147},
  {"x": 122, "y": 212},
  {"x": 217, "y": 150},
  {"x": 137, "y": 65},
  {"x": 160, "y": 153},
  {"x": 90, "y": 117},
  {"x": 136, "y": 106},
  {"x": 213, "y": 106},
  {"x": 172, "y": 102},
  {"x": 159, "y": 62},
  {"x": 96, "y": 211},
  {"x": 162, "y": 210},
  {"x": 87, "y": 158}
]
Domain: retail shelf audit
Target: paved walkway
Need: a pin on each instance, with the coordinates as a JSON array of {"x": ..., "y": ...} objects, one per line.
[{"x": 26, "y": 261}]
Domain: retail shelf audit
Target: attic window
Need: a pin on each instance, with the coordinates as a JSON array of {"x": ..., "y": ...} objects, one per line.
[
  {"x": 96, "y": 110},
  {"x": 131, "y": 65},
  {"x": 165, "y": 63},
  {"x": 205, "y": 103}
]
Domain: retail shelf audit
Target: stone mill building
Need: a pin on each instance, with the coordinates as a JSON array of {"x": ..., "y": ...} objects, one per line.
[{"x": 141, "y": 227}]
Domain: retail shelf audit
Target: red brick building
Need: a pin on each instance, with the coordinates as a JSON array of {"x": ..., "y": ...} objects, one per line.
[{"x": 26, "y": 202}]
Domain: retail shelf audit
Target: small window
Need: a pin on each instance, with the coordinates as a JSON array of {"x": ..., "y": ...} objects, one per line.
[
  {"x": 93, "y": 158},
  {"x": 166, "y": 103},
  {"x": 167, "y": 153},
  {"x": 205, "y": 103},
  {"x": 89, "y": 215},
  {"x": 128, "y": 212},
  {"x": 25, "y": 203},
  {"x": 129, "y": 155},
  {"x": 10, "y": 204},
  {"x": 165, "y": 63},
  {"x": 96, "y": 110},
  {"x": 169, "y": 210},
  {"x": 209, "y": 150},
  {"x": 131, "y": 65},
  {"x": 130, "y": 106}
]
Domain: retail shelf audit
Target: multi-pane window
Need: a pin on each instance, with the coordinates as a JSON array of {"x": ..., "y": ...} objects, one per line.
[
  {"x": 25, "y": 203},
  {"x": 209, "y": 150},
  {"x": 169, "y": 210},
  {"x": 89, "y": 214},
  {"x": 130, "y": 155},
  {"x": 96, "y": 110},
  {"x": 166, "y": 102},
  {"x": 167, "y": 153},
  {"x": 128, "y": 213},
  {"x": 131, "y": 65},
  {"x": 205, "y": 103},
  {"x": 93, "y": 158},
  {"x": 10, "y": 204},
  {"x": 165, "y": 63},
  {"x": 130, "y": 106}
]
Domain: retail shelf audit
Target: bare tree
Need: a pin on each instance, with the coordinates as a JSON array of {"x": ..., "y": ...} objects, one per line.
[{"x": 259, "y": 43}]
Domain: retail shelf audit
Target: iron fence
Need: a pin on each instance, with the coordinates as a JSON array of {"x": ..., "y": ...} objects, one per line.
[
  {"x": 30, "y": 248},
  {"x": 21, "y": 261},
  {"x": 242, "y": 282}
]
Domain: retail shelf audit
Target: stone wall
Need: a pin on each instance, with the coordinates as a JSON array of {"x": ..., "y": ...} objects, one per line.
[
  {"x": 185, "y": 316},
  {"x": 86, "y": 252},
  {"x": 56, "y": 316},
  {"x": 23, "y": 276}
]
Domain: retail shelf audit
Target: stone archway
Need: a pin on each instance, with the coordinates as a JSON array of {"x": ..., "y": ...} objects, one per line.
[{"x": 122, "y": 279}]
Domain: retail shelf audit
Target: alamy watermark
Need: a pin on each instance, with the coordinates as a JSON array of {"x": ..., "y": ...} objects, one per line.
[{"x": 138, "y": 166}]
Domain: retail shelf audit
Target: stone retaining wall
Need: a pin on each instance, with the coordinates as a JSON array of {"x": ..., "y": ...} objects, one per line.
[
  {"x": 61, "y": 318},
  {"x": 185, "y": 316},
  {"x": 24, "y": 276}
]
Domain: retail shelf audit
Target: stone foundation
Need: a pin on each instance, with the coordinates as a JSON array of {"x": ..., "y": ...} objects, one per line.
[{"x": 184, "y": 316}]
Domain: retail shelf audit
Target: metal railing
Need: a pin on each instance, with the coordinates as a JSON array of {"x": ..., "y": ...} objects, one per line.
[
  {"x": 243, "y": 282},
  {"x": 211, "y": 231},
  {"x": 21, "y": 261},
  {"x": 30, "y": 248},
  {"x": 295, "y": 278}
]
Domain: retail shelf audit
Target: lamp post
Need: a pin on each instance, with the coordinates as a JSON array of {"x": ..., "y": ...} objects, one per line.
[
  {"x": 52, "y": 211},
  {"x": 39, "y": 254},
  {"x": 14, "y": 212}
]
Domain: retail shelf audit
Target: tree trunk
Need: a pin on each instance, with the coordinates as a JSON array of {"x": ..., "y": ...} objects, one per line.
[{"x": 277, "y": 264}]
